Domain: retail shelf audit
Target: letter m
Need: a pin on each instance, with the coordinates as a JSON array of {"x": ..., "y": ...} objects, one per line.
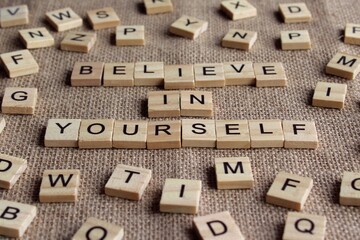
[
  {"x": 344, "y": 61},
  {"x": 60, "y": 177},
  {"x": 228, "y": 167}
]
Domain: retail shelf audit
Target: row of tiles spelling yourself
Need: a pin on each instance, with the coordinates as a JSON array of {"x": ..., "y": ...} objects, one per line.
[{"x": 108, "y": 133}]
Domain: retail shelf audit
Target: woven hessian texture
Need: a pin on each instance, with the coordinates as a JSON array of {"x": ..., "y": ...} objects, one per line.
[{"x": 337, "y": 129}]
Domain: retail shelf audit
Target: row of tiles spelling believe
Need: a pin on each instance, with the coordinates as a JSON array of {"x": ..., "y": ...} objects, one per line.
[{"x": 108, "y": 133}]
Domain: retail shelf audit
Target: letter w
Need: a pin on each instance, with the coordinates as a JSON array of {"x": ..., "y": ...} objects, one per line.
[
  {"x": 61, "y": 15},
  {"x": 60, "y": 177}
]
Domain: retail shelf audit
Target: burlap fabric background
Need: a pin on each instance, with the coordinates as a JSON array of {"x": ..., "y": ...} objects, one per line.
[{"x": 337, "y": 130}]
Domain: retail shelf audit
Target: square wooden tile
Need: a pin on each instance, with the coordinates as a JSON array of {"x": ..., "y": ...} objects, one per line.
[
  {"x": 118, "y": 74},
  {"x": 62, "y": 133},
  {"x": 15, "y": 218},
  {"x": 149, "y": 74},
  {"x": 352, "y": 34},
  {"x": 239, "y": 73},
  {"x": 64, "y": 19},
  {"x": 350, "y": 189},
  {"x": 234, "y": 173},
  {"x": 304, "y": 226},
  {"x": 270, "y": 75},
  {"x": 98, "y": 229},
  {"x": 209, "y": 75},
  {"x": 239, "y": 9},
  {"x": 217, "y": 226},
  {"x": 344, "y": 65},
  {"x": 163, "y": 104},
  {"x": 300, "y": 134},
  {"x": 78, "y": 42},
  {"x": 36, "y": 38},
  {"x": 179, "y": 77},
  {"x": 289, "y": 190},
  {"x": 198, "y": 133},
  {"x": 103, "y": 18},
  {"x": 266, "y": 133},
  {"x": 180, "y": 196},
  {"x": 232, "y": 134},
  {"x": 295, "y": 40},
  {"x": 130, "y": 35},
  {"x": 295, "y": 12},
  {"x": 188, "y": 27},
  {"x": 158, "y": 6},
  {"x": 14, "y": 16},
  {"x": 130, "y": 134},
  {"x": 19, "y": 100},
  {"x": 128, "y": 182},
  {"x": 60, "y": 185},
  {"x": 96, "y": 133},
  {"x": 239, "y": 39},
  {"x": 19, "y": 63},
  {"x": 196, "y": 104},
  {"x": 330, "y": 95},
  {"x": 164, "y": 134},
  {"x": 11, "y": 168},
  {"x": 87, "y": 74}
]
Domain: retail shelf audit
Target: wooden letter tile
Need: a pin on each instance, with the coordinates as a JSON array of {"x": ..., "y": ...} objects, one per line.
[
  {"x": 270, "y": 75},
  {"x": 61, "y": 185},
  {"x": 295, "y": 40},
  {"x": 350, "y": 189},
  {"x": 78, "y": 41},
  {"x": 14, "y": 16},
  {"x": 217, "y": 226},
  {"x": 188, "y": 27},
  {"x": 95, "y": 228},
  {"x": 295, "y": 12},
  {"x": 64, "y": 19},
  {"x": 180, "y": 196},
  {"x": 198, "y": 133},
  {"x": 103, "y": 18},
  {"x": 163, "y": 104},
  {"x": 238, "y": 9},
  {"x": 36, "y": 38},
  {"x": 304, "y": 226},
  {"x": 239, "y": 39},
  {"x": 233, "y": 173},
  {"x": 330, "y": 95},
  {"x": 19, "y": 63},
  {"x": 128, "y": 182},
  {"x": 15, "y": 218},
  {"x": 179, "y": 77},
  {"x": 232, "y": 134},
  {"x": 130, "y": 134},
  {"x": 133, "y": 35},
  {"x": 96, "y": 133},
  {"x": 196, "y": 104},
  {"x": 209, "y": 75},
  {"x": 289, "y": 190},
  {"x": 300, "y": 134},
  {"x": 164, "y": 134},
  {"x": 19, "y": 100},
  {"x": 11, "y": 168},
  {"x": 158, "y": 6},
  {"x": 344, "y": 65},
  {"x": 62, "y": 133},
  {"x": 118, "y": 74},
  {"x": 149, "y": 74},
  {"x": 352, "y": 34},
  {"x": 87, "y": 74},
  {"x": 266, "y": 133},
  {"x": 239, "y": 73}
]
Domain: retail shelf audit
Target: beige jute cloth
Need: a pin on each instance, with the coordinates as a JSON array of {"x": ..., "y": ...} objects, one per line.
[{"x": 337, "y": 129}]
